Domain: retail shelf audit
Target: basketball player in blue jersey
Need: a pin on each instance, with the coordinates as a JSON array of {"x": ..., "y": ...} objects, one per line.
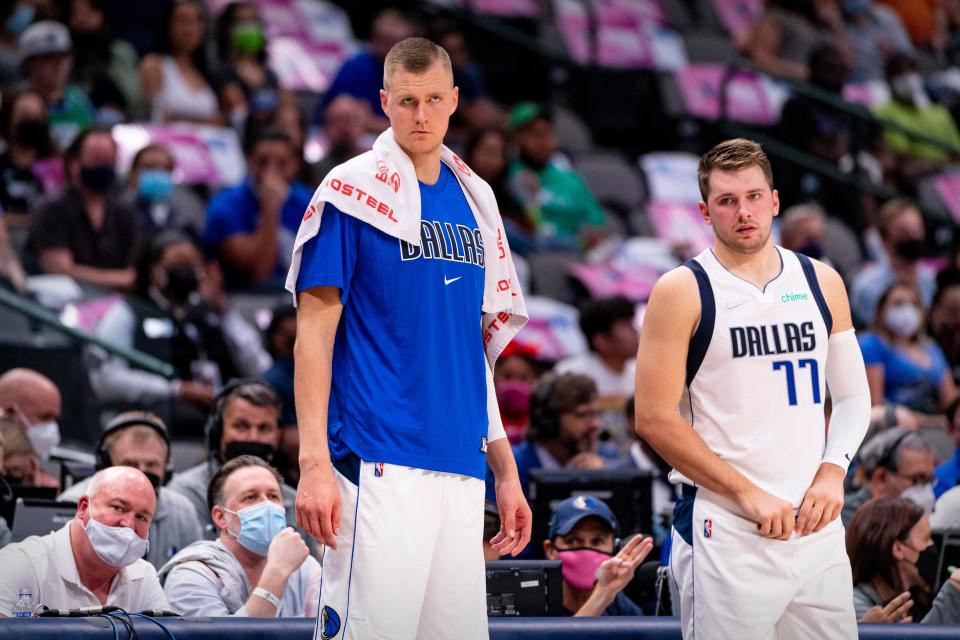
[
  {"x": 738, "y": 348},
  {"x": 393, "y": 391}
]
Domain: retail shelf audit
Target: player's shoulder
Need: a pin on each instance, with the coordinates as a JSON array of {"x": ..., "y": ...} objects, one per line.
[{"x": 676, "y": 295}]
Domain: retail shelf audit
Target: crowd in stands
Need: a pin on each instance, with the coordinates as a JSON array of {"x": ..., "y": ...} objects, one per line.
[{"x": 179, "y": 261}]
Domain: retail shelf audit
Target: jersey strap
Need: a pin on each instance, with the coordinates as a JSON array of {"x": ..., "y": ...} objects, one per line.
[
  {"x": 708, "y": 313},
  {"x": 814, "y": 285}
]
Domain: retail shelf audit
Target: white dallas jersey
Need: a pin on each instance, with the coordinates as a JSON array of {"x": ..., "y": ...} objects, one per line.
[{"x": 755, "y": 373}]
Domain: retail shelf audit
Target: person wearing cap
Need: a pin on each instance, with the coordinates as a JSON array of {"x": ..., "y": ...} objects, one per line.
[
  {"x": 581, "y": 535},
  {"x": 46, "y": 58},
  {"x": 556, "y": 198},
  {"x": 139, "y": 439}
]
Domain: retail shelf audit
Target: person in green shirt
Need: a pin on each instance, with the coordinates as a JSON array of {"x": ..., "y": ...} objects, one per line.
[
  {"x": 911, "y": 108},
  {"x": 564, "y": 212}
]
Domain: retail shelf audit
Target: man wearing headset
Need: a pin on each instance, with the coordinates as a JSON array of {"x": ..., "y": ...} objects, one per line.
[
  {"x": 139, "y": 439},
  {"x": 245, "y": 420},
  {"x": 564, "y": 425}
]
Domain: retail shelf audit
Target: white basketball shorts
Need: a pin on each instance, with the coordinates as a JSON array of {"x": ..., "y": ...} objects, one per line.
[
  {"x": 733, "y": 583},
  {"x": 409, "y": 557}
]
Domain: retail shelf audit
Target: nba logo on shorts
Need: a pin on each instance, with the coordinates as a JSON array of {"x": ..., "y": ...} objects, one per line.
[
  {"x": 708, "y": 528},
  {"x": 378, "y": 469}
]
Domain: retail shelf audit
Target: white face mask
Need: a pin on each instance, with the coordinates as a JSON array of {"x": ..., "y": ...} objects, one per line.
[
  {"x": 903, "y": 320},
  {"x": 921, "y": 495},
  {"x": 44, "y": 436},
  {"x": 117, "y": 546}
]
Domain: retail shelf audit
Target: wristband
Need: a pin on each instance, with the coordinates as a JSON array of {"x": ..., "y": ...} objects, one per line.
[{"x": 269, "y": 597}]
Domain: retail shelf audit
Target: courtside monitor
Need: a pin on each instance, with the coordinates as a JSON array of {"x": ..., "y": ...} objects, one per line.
[
  {"x": 524, "y": 588},
  {"x": 40, "y": 517},
  {"x": 626, "y": 491}
]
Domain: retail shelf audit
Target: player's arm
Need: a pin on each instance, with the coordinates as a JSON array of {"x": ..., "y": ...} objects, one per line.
[
  {"x": 846, "y": 379},
  {"x": 318, "y": 500},
  {"x": 670, "y": 320}
]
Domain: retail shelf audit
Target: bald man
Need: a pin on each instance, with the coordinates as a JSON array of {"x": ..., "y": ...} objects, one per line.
[
  {"x": 34, "y": 401},
  {"x": 96, "y": 559}
]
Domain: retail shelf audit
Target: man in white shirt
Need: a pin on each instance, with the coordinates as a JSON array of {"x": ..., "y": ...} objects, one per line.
[{"x": 96, "y": 558}]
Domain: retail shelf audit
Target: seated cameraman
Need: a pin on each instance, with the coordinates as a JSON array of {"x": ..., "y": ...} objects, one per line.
[{"x": 581, "y": 536}]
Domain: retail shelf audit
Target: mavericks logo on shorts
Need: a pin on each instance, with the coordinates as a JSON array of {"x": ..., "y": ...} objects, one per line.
[
  {"x": 329, "y": 623},
  {"x": 708, "y": 528}
]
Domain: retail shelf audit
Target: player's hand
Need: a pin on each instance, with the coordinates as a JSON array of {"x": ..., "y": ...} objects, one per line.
[
  {"x": 773, "y": 515},
  {"x": 617, "y": 572},
  {"x": 895, "y": 611},
  {"x": 823, "y": 501},
  {"x": 287, "y": 552},
  {"x": 318, "y": 504},
  {"x": 516, "y": 520},
  {"x": 585, "y": 461}
]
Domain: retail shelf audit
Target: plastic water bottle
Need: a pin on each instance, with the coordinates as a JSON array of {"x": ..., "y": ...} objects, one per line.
[{"x": 24, "y": 606}]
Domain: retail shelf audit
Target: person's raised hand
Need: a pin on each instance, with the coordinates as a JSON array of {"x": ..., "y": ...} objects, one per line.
[
  {"x": 318, "y": 504},
  {"x": 516, "y": 520},
  {"x": 617, "y": 572},
  {"x": 287, "y": 552},
  {"x": 896, "y": 610}
]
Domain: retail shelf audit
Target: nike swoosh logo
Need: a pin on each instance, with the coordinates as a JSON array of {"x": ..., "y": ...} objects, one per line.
[
  {"x": 734, "y": 305},
  {"x": 446, "y": 281}
]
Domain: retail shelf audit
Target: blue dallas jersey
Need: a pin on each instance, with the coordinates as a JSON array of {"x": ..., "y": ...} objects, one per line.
[{"x": 409, "y": 385}]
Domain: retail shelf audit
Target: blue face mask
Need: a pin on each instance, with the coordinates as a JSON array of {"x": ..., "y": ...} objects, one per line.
[
  {"x": 155, "y": 185},
  {"x": 259, "y": 525},
  {"x": 20, "y": 19}
]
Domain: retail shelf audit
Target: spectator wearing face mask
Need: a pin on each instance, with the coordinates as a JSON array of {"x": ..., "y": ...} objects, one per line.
[
  {"x": 581, "y": 535},
  {"x": 178, "y": 314},
  {"x": 903, "y": 236},
  {"x": 96, "y": 558},
  {"x": 258, "y": 566},
  {"x": 139, "y": 439},
  {"x": 911, "y": 108},
  {"x": 23, "y": 124},
  {"x": 904, "y": 366},
  {"x": 161, "y": 203},
  {"x": 88, "y": 231},
  {"x": 895, "y": 464},
  {"x": 33, "y": 403},
  {"x": 894, "y": 563}
]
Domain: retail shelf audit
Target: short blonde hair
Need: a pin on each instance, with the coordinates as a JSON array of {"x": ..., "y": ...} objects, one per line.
[
  {"x": 893, "y": 209},
  {"x": 732, "y": 155},
  {"x": 415, "y": 55}
]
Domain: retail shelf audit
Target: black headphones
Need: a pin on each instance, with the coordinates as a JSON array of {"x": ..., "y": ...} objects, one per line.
[
  {"x": 889, "y": 452},
  {"x": 213, "y": 430},
  {"x": 544, "y": 421},
  {"x": 122, "y": 421}
]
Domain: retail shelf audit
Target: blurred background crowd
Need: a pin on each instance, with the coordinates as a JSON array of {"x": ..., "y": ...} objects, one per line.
[{"x": 157, "y": 158}]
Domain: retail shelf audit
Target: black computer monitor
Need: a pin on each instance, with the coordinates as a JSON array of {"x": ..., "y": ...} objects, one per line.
[
  {"x": 10, "y": 492},
  {"x": 626, "y": 491},
  {"x": 40, "y": 517},
  {"x": 524, "y": 588}
]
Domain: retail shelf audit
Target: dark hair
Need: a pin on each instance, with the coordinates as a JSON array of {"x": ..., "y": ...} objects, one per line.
[
  {"x": 215, "y": 487},
  {"x": 153, "y": 146},
  {"x": 222, "y": 28},
  {"x": 281, "y": 313},
  {"x": 599, "y": 316},
  {"x": 897, "y": 63},
  {"x": 268, "y": 134},
  {"x": 477, "y": 137},
  {"x": 875, "y": 527},
  {"x": 199, "y": 57},
  {"x": 553, "y": 395},
  {"x": 150, "y": 254},
  {"x": 415, "y": 55},
  {"x": 72, "y": 154},
  {"x": 256, "y": 392},
  {"x": 7, "y": 107},
  {"x": 732, "y": 155}
]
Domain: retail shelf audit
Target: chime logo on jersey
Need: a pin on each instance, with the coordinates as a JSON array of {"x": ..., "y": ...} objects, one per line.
[
  {"x": 708, "y": 528},
  {"x": 445, "y": 241}
]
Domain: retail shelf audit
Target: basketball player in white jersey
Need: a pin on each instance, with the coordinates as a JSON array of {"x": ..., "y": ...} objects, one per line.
[{"x": 744, "y": 339}]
